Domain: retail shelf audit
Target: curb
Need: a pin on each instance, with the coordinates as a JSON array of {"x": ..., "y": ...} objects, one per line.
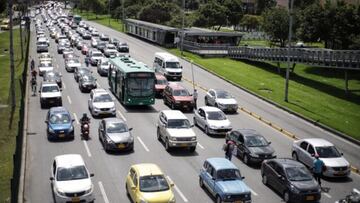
[{"x": 274, "y": 126}]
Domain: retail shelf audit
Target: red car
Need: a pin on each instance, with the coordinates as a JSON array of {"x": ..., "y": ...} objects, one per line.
[
  {"x": 84, "y": 49},
  {"x": 178, "y": 97},
  {"x": 160, "y": 84}
]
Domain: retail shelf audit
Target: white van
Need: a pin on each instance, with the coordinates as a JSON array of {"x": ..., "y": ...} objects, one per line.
[{"x": 168, "y": 65}]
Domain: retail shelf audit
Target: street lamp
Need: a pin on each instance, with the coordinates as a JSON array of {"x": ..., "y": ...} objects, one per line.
[
  {"x": 182, "y": 28},
  {"x": 286, "y": 99},
  {"x": 109, "y": 12}
]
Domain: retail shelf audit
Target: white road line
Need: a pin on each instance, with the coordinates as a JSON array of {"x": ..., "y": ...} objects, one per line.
[
  {"x": 253, "y": 192},
  {"x": 69, "y": 99},
  {"x": 121, "y": 115},
  {"x": 76, "y": 118},
  {"x": 356, "y": 190},
  {"x": 200, "y": 146},
  {"x": 178, "y": 191},
  {"x": 98, "y": 85},
  {"x": 57, "y": 66},
  {"x": 87, "y": 148},
  {"x": 327, "y": 195},
  {"x": 143, "y": 144},
  {"x": 64, "y": 85},
  {"x": 103, "y": 193}
]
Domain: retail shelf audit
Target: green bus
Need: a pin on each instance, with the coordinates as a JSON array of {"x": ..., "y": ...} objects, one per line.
[
  {"x": 132, "y": 82},
  {"x": 77, "y": 19}
]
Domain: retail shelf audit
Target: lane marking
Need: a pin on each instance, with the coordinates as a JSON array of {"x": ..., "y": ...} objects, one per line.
[
  {"x": 103, "y": 193},
  {"x": 98, "y": 85},
  {"x": 143, "y": 144},
  {"x": 64, "y": 85},
  {"x": 76, "y": 118},
  {"x": 252, "y": 191},
  {"x": 87, "y": 148},
  {"x": 356, "y": 190},
  {"x": 121, "y": 115},
  {"x": 178, "y": 191},
  {"x": 327, "y": 195},
  {"x": 200, "y": 146},
  {"x": 69, "y": 99}
]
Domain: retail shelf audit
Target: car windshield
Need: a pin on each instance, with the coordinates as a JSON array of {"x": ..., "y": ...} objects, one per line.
[
  {"x": 84, "y": 71},
  {"x": 96, "y": 55},
  {"x": 59, "y": 118},
  {"x": 215, "y": 115},
  {"x": 161, "y": 82},
  {"x": 51, "y": 88},
  {"x": 182, "y": 92},
  {"x": 256, "y": 141},
  {"x": 328, "y": 152},
  {"x": 178, "y": 123},
  {"x": 298, "y": 174},
  {"x": 88, "y": 78},
  {"x": 116, "y": 128},
  {"x": 172, "y": 65},
  {"x": 74, "y": 61},
  {"x": 105, "y": 63},
  {"x": 153, "y": 183},
  {"x": 223, "y": 95},
  {"x": 72, "y": 173},
  {"x": 141, "y": 86},
  {"x": 103, "y": 98},
  {"x": 110, "y": 46},
  {"x": 228, "y": 174},
  {"x": 45, "y": 65}
]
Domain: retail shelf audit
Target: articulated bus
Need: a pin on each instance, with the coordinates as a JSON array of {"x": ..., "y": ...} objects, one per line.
[{"x": 132, "y": 82}]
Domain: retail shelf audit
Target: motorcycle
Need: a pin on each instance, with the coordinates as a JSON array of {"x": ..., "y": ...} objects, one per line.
[
  {"x": 354, "y": 197},
  {"x": 85, "y": 130}
]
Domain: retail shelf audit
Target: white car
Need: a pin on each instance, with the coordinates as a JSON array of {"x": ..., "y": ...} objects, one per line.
[
  {"x": 175, "y": 130},
  {"x": 110, "y": 50},
  {"x": 103, "y": 66},
  {"x": 45, "y": 66},
  {"x": 101, "y": 103},
  {"x": 71, "y": 180},
  {"x": 45, "y": 57},
  {"x": 336, "y": 165},
  {"x": 94, "y": 57},
  {"x": 94, "y": 42},
  {"x": 71, "y": 64},
  {"x": 212, "y": 120},
  {"x": 221, "y": 99},
  {"x": 50, "y": 94}
]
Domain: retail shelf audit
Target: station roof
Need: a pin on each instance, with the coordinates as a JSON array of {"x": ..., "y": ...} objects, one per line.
[
  {"x": 206, "y": 32},
  {"x": 152, "y": 25}
]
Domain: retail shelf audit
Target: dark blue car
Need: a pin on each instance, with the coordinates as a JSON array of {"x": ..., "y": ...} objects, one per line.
[
  {"x": 224, "y": 181},
  {"x": 59, "y": 124}
]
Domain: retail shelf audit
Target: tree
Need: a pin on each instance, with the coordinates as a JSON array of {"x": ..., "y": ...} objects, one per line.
[
  {"x": 211, "y": 14},
  {"x": 233, "y": 11},
  {"x": 311, "y": 21},
  {"x": 251, "y": 22},
  {"x": 159, "y": 11},
  {"x": 262, "y": 5},
  {"x": 3, "y": 4},
  {"x": 276, "y": 24}
]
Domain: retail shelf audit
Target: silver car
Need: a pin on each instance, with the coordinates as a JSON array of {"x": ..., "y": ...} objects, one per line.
[
  {"x": 115, "y": 135},
  {"x": 212, "y": 120},
  {"x": 221, "y": 99},
  {"x": 103, "y": 67},
  {"x": 71, "y": 64},
  {"x": 336, "y": 165},
  {"x": 101, "y": 103}
]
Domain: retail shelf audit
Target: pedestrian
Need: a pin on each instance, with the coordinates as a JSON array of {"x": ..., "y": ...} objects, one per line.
[
  {"x": 195, "y": 96},
  {"x": 229, "y": 148},
  {"x": 32, "y": 64},
  {"x": 33, "y": 85},
  {"x": 318, "y": 168}
]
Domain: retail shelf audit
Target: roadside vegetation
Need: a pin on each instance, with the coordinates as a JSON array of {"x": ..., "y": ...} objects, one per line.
[
  {"x": 8, "y": 136},
  {"x": 115, "y": 24}
]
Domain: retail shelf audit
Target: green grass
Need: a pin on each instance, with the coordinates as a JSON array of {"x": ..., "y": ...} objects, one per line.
[
  {"x": 8, "y": 137},
  {"x": 101, "y": 19},
  {"x": 263, "y": 43},
  {"x": 316, "y": 93}
]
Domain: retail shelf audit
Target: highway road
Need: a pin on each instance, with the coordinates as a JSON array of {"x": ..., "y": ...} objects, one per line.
[{"x": 181, "y": 166}]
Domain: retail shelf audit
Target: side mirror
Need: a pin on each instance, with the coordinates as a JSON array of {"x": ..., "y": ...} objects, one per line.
[
  {"x": 133, "y": 187},
  {"x": 46, "y": 122},
  {"x": 72, "y": 120},
  {"x": 342, "y": 154},
  {"x": 39, "y": 91},
  {"x": 242, "y": 178},
  {"x": 192, "y": 125},
  {"x": 130, "y": 129},
  {"x": 92, "y": 175},
  {"x": 51, "y": 178},
  {"x": 172, "y": 184},
  {"x": 269, "y": 142}
]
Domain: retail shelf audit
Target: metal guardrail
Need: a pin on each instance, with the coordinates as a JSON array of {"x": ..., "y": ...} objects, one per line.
[{"x": 343, "y": 59}]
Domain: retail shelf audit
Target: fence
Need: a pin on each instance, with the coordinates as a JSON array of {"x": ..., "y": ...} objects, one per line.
[{"x": 206, "y": 48}]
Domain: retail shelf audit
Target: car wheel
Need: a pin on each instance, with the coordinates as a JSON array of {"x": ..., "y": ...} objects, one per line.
[
  {"x": 206, "y": 102},
  {"x": 167, "y": 147},
  {"x": 158, "y": 134},
  {"x": 195, "y": 122},
  {"x": 218, "y": 199},
  {"x": 42, "y": 105},
  {"x": 246, "y": 159},
  {"x": 207, "y": 130},
  {"x": 201, "y": 182},
  {"x": 172, "y": 106},
  {"x": 286, "y": 196},
  {"x": 264, "y": 179},
  {"x": 192, "y": 149},
  {"x": 295, "y": 156},
  {"x": 127, "y": 190}
]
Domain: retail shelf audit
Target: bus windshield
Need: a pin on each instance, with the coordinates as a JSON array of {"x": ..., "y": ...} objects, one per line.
[{"x": 140, "y": 86}]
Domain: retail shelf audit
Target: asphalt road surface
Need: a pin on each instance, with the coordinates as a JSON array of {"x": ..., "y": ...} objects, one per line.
[{"x": 181, "y": 166}]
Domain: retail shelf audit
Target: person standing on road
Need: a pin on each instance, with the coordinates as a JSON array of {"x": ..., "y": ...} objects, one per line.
[
  {"x": 32, "y": 65},
  {"x": 195, "y": 96},
  {"x": 229, "y": 148},
  {"x": 318, "y": 167},
  {"x": 33, "y": 85}
]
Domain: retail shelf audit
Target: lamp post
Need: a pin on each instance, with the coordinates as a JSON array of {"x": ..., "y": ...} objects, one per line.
[
  {"x": 123, "y": 14},
  {"x": 286, "y": 99},
  {"x": 182, "y": 27},
  {"x": 109, "y": 12}
]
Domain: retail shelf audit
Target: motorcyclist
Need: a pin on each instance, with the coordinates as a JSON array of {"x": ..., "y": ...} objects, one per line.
[{"x": 84, "y": 120}]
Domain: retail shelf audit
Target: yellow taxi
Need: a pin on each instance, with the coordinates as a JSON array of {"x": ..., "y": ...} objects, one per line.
[{"x": 146, "y": 183}]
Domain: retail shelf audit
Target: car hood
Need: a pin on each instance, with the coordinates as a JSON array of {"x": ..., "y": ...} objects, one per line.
[
  {"x": 261, "y": 150},
  {"x": 64, "y": 126},
  {"x": 46, "y": 68},
  {"x": 71, "y": 186},
  {"x": 104, "y": 104},
  {"x": 104, "y": 67},
  {"x": 162, "y": 196},
  {"x": 96, "y": 57},
  {"x": 174, "y": 70},
  {"x": 233, "y": 186},
  {"x": 183, "y": 98},
  {"x": 226, "y": 101},
  {"x": 74, "y": 64},
  {"x": 181, "y": 132},
  {"x": 305, "y": 185},
  {"x": 50, "y": 94},
  {"x": 160, "y": 86},
  {"x": 335, "y": 162},
  {"x": 120, "y": 137},
  {"x": 221, "y": 123}
]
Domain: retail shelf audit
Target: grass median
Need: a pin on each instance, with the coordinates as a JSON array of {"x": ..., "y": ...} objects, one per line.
[
  {"x": 8, "y": 137},
  {"x": 317, "y": 93},
  {"x": 101, "y": 19}
]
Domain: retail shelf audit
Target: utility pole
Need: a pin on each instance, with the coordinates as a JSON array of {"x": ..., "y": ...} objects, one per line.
[
  {"x": 123, "y": 14},
  {"x": 21, "y": 32},
  {"x": 182, "y": 28},
  {"x": 12, "y": 67},
  {"x": 109, "y": 12},
  {"x": 286, "y": 99}
]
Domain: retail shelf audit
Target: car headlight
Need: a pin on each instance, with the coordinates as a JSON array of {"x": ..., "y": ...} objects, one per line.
[
  {"x": 109, "y": 141},
  {"x": 96, "y": 109},
  {"x": 173, "y": 138},
  {"x": 193, "y": 138},
  {"x": 71, "y": 128},
  {"x": 60, "y": 192},
  {"x": 254, "y": 155},
  {"x": 213, "y": 126},
  {"x": 51, "y": 130},
  {"x": 113, "y": 108},
  {"x": 177, "y": 102},
  {"x": 131, "y": 139},
  {"x": 89, "y": 190},
  {"x": 143, "y": 201},
  {"x": 172, "y": 199},
  {"x": 294, "y": 189}
]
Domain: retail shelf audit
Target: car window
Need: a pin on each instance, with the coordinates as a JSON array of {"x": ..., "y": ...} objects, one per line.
[
  {"x": 103, "y": 98},
  {"x": 51, "y": 88},
  {"x": 212, "y": 93},
  {"x": 255, "y": 141},
  {"x": 181, "y": 92},
  {"x": 328, "y": 152},
  {"x": 223, "y": 95},
  {"x": 228, "y": 174},
  {"x": 116, "y": 128},
  {"x": 304, "y": 145},
  {"x": 216, "y": 115},
  {"x": 72, "y": 173},
  {"x": 241, "y": 138},
  {"x": 54, "y": 167},
  {"x": 153, "y": 183},
  {"x": 59, "y": 118},
  {"x": 279, "y": 170},
  {"x": 178, "y": 123},
  {"x": 134, "y": 178},
  {"x": 311, "y": 150},
  {"x": 210, "y": 171},
  {"x": 298, "y": 174}
]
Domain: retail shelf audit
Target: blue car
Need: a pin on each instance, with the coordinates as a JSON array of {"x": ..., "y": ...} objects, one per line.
[
  {"x": 224, "y": 181},
  {"x": 59, "y": 124}
]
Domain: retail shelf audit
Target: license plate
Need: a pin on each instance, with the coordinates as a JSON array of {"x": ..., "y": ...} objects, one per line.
[
  {"x": 185, "y": 106},
  {"x": 238, "y": 201},
  {"x": 75, "y": 199},
  {"x": 183, "y": 144},
  {"x": 310, "y": 197},
  {"x": 121, "y": 146},
  {"x": 61, "y": 135}
]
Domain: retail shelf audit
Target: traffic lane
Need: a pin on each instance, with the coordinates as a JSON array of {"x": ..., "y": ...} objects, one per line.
[{"x": 140, "y": 50}]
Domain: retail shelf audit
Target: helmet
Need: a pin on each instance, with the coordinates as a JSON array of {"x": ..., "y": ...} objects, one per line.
[{"x": 316, "y": 155}]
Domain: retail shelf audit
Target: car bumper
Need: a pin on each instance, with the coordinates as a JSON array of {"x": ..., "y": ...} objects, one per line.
[
  {"x": 120, "y": 146},
  {"x": 51, "y": 100},
  {"x": 103, "y": 71},
  {"x": 312, "y": 197},
  {"x": 188, "y": 106},
  {"x": 64, "y": 199},
  {"x": 98, "y": 112},
  {"x": 61, "y": 135},
  {"x": 88, "y": 87},
  {"x": 260, "y": 158},
  {"x": 219, "y": 131},
  {"x": 182, "y": 143},
  {"x": 174, "y": 77},
  {"x": 228, "y": 108},
  {"x": 336, "y": 174}
]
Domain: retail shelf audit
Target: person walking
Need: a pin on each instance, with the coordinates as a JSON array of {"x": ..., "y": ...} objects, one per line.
[
  {"x": 33, "y": 85},
  {"x": 318, "y": 167},
  {"x": 195, "y": 96},
  {"x": 229, "y": 148},
  {"x": 32, "y": 65}
]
